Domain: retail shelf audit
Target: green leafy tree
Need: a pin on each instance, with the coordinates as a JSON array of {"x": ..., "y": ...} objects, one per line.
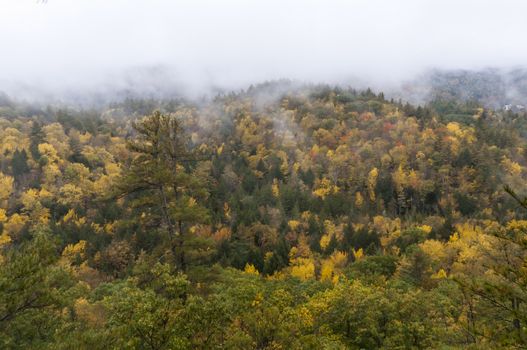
[
  {"x": 149, "y": 317},
  {"x": 33, "y": 292}
]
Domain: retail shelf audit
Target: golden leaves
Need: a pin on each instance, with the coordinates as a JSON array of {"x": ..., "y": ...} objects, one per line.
[
  {"x": 6, "y": 188},
  {"x": 359, "y": 200},
  {"x": 372, "y": 182},
  {"x": 72, "y": 250},
  {"x": 251, "y": 270},
  {"x": 324, "y": 187},
  {"x": 275, "y": 188},
  {"x": 303, "y": 268},
  {"x": 511, "y": 167},
  {"x": 15, "y": 224}
]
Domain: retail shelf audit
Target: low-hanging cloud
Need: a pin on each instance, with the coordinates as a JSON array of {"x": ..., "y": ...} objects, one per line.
[{"x": 69, "y": 47}]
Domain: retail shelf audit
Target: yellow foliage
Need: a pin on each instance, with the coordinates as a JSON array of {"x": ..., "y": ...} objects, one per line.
[
  {"x": 324, "y": 241},
  {"x": 55, "y": 136},
  {"x": 400, "y": 179},
  {"x": 386, "y": 225},
  {"x": 512, "y": 167},
  {"x": 96, "y": 227},
  {"x": 258, "y": 298},
  {"x": 331, "y": 267},
  {"x": 339, "y": 259},
  {"x": 323, "y": 188},
  {"x": 251, "y": 270},
  {"x": 303, "y": 268},
  {"x": 30, "y": 198},
  {"x": 85, "y": 138},
  {"x": 51, "y": 174},
  {"x": 420, "y": 155},
  {"x": 284, "y": 166},
  {"x": 15, "y": 224},
  {"x": 467, "y": 133},
  {"x": 40, "y": 214},
  {"x": 80, "y": 221},
  {"x": 72, "y": 250},
  {"x": 109, "y": 228},
  {"x": 31, "y": 202},
  {"x": 372, "y": 182},
  {"x": 315, "y": 150},
  {"x": 10, "y": 140},
  {"x": 293, "y": 224},
  {"x": 306, "y": 215},
  {"x": 112, "y": 169},
  {"x": 3, "y": 216},
  {"x": 48, "y": 151},
  {"x": 440, "y": 274},
  {"x": 454, "y": 128},
  {"x": 275, "y": 188},
  {"x": 427, "y": 229},
  {"x": 103, "y": 184},
  {"x": 305, "y": 316},
  {"x": 70, "y": 215},
  {"x": 293, "y": 253},
  {"x": 296, "y": 167},
  {"x": 330, "y": 227},
  {"x": 358, "y": 200},
  {"x": 4, "y": 239},
  {"x": 6, "y": 188},
  {"x": 468, "y": 231},
  {"x": 434, "y": 249},
  {"x": 70, "y": 195},
  {"x": 358, "y": 254},
  {"x": 45, "y": 194},
  {"x": 357, "y": 226},
  {"x": 517, "y": 226},
  {"x": 326, "y": 271},
  {"x": 227, "y": 210},
  {"x": 302, "y": 248},
  {"x": 413, "y": 179}
]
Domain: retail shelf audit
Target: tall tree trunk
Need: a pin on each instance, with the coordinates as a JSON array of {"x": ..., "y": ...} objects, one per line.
[{"x": 166, "y": 214}]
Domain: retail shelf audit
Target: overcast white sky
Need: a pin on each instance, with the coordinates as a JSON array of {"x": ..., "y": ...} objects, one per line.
[{"x": 71, "y": 44}]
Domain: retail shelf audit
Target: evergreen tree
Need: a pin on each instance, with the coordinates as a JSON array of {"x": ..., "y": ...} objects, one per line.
[
  {"x": 160, "y": 174},
  {"x": 36, "y": 137},
  {"x": 19, "y": 164}
]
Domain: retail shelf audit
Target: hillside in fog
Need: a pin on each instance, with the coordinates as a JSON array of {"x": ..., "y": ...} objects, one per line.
[{"x": 276, "y": 174}]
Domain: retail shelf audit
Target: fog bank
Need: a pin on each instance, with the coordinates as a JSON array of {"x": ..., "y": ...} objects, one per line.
[{"x": 61, "y": 48}]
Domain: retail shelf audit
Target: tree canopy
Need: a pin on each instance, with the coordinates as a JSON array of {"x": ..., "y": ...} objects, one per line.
[{"x": 311, "y": 217}]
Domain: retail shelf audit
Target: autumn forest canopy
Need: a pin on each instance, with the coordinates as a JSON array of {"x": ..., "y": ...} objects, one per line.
[
  {"x": 267, "y": 175},
  {"x": 282, "y": 216}
]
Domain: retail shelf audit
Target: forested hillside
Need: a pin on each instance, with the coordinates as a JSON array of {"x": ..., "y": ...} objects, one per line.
[
  {"x": 492, "y": 87},
  {"x": 279, "y": 217}
]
